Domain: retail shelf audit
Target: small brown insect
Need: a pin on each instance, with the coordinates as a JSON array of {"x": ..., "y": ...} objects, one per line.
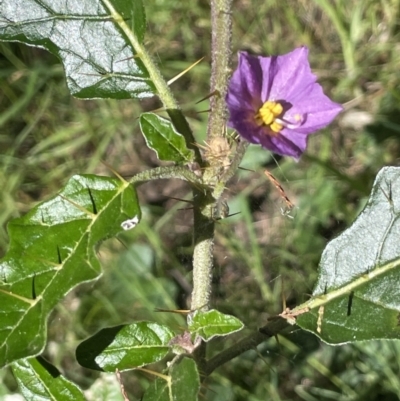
[
  {"x": 291, "y": 315},
  {"x": 282, "y": 193}
]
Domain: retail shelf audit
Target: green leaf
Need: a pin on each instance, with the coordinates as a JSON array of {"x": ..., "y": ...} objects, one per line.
[
  {"x": 98, "y": 58},
  {"x": 182, "y": 383},
  {"x": 52, "y": 250},
  {"x": 158, "y": 390},
  {"x": 357, "y": 295},
  {"x": 212, "y": 324},
  {"x": 39, "y": 380},
  {"x": 125, "y": 347},
  {"x": 137, "y": 16},
  {"x": 161, "y": 136}
]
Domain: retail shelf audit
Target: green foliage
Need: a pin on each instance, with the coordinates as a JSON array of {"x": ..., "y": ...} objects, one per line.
[
  {"x": 213, "y": 323},
  {"x": 357, "y": 285},
  {"x": 133, "y": 11},
  {"x": 162, "y": 137},
  {"x": 181, "y": 384},
  {"x": 98, "y": 59},
  {"x": 125, "y": 347},
  {"x": 53, "y": 249},
  {"x": 39, "y": 380}
]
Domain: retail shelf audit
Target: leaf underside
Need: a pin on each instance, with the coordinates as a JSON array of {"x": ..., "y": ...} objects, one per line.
[
  {"x": 52, "y": 250},
  {"x": 98, "y": 59},
  {"x": 357, "y": 295}
]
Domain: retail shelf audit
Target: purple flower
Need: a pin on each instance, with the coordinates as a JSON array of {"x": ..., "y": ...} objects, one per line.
[{"x": 276, "y": 102}]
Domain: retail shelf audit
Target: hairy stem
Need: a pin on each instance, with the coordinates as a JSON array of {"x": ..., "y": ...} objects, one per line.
[
  {"x": 204, "y": 201},
  {"x": 203, "y": 251},
  {"x": 221, "y": 50},
  {"x": 162, "y": 173}
]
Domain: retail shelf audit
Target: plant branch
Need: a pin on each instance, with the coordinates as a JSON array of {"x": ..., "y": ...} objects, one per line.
[
  {"x": 272, "y": 328},
  {"x": 221, "y": 50},
  {"x": 162, "y": 173},
  {"x": 231, "y": 170},
  {"x": 203, "y": 202}
]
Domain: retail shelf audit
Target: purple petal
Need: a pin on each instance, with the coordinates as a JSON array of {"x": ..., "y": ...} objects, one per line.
[
  {"x": 317, "y": 109},
  {"x": 291, "y": 74},
  {"x": 289, "y": 80},
  {"x": 286, "y": 143},
  {"x": 243, "y": 122},
  {"x": 244, "y": 87}
]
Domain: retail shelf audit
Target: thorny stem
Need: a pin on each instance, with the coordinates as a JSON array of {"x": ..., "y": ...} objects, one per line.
[
  {"x": 221, "y": 52},
  {"x": 231, "y": 170},
  {"x": 272, "y": 328},
  {"x": 204, "y": 202},
  {"x": 221, "y": 21},
  {"x": 162, "y": 173},
  {"x": 204, "y": 198}
]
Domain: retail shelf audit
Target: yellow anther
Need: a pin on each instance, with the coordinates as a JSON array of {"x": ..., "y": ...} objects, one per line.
[
  {"x": 276, "y": 127},
  {"x": 267, "y": 115},
  {"x": 276, "y": 108}
]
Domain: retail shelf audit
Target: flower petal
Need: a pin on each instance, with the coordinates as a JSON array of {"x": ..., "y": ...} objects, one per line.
[
  {"x": 317, "y": 109},
  {"x": 291, "y": 74},
  {"x": 243, "y": 122},
  {"x": 244, "y": 87},
  {"x": 286, "y": 143},
  {"x": 286, "y": 80}
]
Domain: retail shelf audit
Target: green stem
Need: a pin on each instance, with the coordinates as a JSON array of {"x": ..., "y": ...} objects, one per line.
[
  {"x": 163, "y": 173},
  {"x": 163, "y": 90},
  {"x": 237, "y": 159},
  {"x": 204, "y": 202},
  {"x": 221, "y": 50},
  {"x": 203, "y": 250},
  {"x": 321, "y": 300}
]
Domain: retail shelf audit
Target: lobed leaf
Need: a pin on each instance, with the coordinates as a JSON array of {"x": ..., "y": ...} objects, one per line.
[
  {"x": 52, "y": 250},
  {"x": 162, "y": 137},
  {"x": 98, "y": 57},
  {"x": 357, "y": 295},
  {"x": 182, "y": 383},
  {"x": 125, "y": 347},
  {"x": 212, "y": 324},
  {"x": 39, "y": 380}
]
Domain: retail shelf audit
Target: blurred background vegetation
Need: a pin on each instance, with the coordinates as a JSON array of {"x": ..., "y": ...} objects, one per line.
[{"x": 262, "y": 256}]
